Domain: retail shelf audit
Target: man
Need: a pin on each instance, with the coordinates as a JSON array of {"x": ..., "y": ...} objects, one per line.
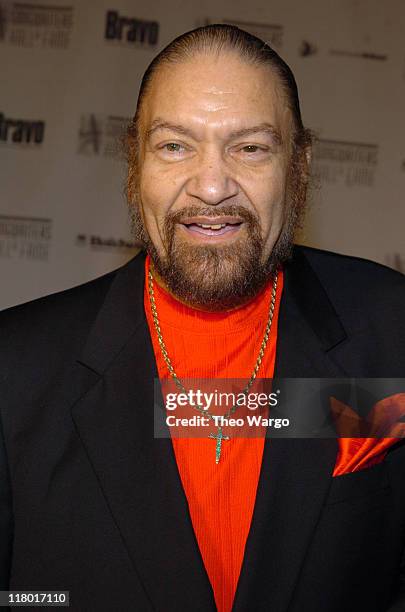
[{"x": 91, "y": 501}]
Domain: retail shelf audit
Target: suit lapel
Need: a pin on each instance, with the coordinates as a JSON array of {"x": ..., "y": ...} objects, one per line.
[
  {"x": 308, "y": 326},
  {"x": 138, "y": 474},
  {"x": 294, "y": 481},
  {"x": 296, "y": 473}
]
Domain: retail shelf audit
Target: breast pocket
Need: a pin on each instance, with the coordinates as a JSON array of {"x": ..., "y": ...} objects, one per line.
[{"x": 361, "y": 486}]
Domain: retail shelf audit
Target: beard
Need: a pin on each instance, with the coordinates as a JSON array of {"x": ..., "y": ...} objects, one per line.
[{"x": 221, "y": 277}]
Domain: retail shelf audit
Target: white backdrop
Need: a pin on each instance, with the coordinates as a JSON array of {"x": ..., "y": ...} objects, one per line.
[{"x": 69, "y": 82}]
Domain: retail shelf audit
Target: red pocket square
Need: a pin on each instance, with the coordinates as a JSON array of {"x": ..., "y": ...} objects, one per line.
[{"x": 381, "y": 427}]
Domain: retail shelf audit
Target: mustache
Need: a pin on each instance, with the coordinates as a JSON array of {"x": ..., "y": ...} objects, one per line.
[{"x": 229, "y": 210}]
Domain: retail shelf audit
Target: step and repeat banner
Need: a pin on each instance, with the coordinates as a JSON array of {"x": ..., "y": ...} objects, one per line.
[{"x": 70, "y": 73}]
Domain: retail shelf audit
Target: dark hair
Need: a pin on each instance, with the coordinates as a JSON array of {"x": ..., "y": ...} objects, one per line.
[{"x": 210, "y": 39}]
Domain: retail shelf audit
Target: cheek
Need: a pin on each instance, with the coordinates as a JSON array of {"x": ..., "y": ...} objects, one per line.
[
  {"x": 153, "y": 200},
  {"x": 158, "y": 190},
  {"x": 271, "y": 203}
]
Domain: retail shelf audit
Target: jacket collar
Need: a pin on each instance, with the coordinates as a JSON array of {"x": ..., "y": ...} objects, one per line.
[
  {"x": 307, "y": 318},
  {"x": 112, "y": 409},
  {"x": 308, "y": 326}
]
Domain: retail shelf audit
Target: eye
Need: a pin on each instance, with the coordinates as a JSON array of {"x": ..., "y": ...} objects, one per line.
[
  {"x": 172, "y": 147},
  {"x": 251, "y": 148},
  {"x": 173, "y": 151},
  {"x": 252, "y": 153}
]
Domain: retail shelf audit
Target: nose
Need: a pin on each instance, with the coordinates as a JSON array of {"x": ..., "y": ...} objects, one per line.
[{"x": 211, "y": 181}]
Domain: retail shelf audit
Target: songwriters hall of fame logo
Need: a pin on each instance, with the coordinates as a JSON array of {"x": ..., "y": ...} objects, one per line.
[
  {"x": 26, "y": 238},
  {"x": 102, "y": 135},
  {"x": 345, "y": 163},
  {"x": 271, "y": 33},
  {"x": 32, "y": 25}
]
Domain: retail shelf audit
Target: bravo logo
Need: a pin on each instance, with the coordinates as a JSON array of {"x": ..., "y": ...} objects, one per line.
[
  {"x": 21, "y": 131},
  {"x": 129, "y": 30}
]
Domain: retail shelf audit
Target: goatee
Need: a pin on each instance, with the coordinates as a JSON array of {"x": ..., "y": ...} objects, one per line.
[{"x": 214, "y": 277}]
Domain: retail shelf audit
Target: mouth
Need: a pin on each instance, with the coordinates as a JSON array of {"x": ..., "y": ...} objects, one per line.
[{"x": 212, "y": 228}]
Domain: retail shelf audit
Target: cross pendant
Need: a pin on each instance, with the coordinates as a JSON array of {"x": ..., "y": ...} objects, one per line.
[{"x": 218, "y": 437}]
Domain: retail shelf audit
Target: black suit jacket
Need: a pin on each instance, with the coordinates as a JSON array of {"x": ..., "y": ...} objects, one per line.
[{"x": 90, "y": 502}]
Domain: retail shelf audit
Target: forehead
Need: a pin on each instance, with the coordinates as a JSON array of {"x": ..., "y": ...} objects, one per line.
[{"x": 215, "y": 95}]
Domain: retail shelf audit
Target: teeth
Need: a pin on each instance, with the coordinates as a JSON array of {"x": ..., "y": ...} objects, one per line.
[{"x": 215, "y": 227}]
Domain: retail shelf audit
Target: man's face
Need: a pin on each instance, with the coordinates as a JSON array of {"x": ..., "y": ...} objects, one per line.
[{"x": 212, "y": 186}]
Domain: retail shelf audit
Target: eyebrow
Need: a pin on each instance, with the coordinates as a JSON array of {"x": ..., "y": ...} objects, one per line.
[{"x": 160, "y": 124}]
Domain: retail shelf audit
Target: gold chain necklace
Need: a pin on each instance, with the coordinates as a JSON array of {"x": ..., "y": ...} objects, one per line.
[{"x": 219, "y": 435}]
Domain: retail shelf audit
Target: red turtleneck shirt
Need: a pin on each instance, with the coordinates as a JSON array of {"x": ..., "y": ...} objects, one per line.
[{"x": 221, "y": 496}]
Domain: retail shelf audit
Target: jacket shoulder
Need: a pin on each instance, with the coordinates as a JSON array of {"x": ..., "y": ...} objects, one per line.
[
  {"x": 349, "y": 269},
  {"x": 364, "y": 293},
  {"x": 63, "y": 308},
  {"x": 40, "y": 338}
]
